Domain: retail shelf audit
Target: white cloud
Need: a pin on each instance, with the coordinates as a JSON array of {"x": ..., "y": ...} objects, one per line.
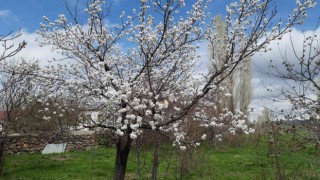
[
  {"x": 6, "y": 16},
  {"x": 117, "y": 2},
  {"x": 4, "y": 13},
  {"x": 33, "y": 51},
  {"x": 282, "y": 48}
]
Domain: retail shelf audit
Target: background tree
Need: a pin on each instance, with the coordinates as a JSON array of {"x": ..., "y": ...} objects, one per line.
[
  {"x": 238, "y": 85},
  {"x": 242, "y": 90},
  {"x": 16, "y": 89},
  {"x": 7, "y": 50},
  {"x": 152, "y": 84},
  {"x": 54, "y": 116},
  {"x": 217, "y": 59},
  {"x": 300, "y": 74},
  {"x": 16, "y": 86},
  {"x": 262, "y": 120}
]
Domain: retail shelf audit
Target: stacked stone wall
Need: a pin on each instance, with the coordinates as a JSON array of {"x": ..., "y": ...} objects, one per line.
[{"x": 35, "y": 143}]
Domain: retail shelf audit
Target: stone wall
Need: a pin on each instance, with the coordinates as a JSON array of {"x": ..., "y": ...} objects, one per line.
[{"x": 35, "y": 143}]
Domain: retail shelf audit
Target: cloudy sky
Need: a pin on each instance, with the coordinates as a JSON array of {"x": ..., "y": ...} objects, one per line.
[{"x": 27, "y": 15}]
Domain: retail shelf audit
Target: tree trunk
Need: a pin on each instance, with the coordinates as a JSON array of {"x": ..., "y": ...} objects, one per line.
[
  {"x": 2, "y": 151},
  {"x": 123, "y": 150},
  {"x": 138, "y": 150},
  {"x": 156, "y": 158}
]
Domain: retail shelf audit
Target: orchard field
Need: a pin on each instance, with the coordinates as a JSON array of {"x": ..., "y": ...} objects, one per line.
[{"x": 245, "y": 157}]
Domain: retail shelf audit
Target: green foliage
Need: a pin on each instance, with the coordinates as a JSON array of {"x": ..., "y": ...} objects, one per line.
[{"x": 249, "y": 161}]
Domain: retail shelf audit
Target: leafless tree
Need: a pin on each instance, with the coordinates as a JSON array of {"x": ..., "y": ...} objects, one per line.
[
  {"x": 10, "y": 49},
  {"x": 16, "y": 89},
  {"x": 299, "y": 70}
]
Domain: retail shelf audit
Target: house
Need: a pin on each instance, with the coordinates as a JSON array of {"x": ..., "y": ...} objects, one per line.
[
  {"x": 3, "y": 118},
  {"x": 88, "y": 119},
  {"x": 3, "y": 115}
]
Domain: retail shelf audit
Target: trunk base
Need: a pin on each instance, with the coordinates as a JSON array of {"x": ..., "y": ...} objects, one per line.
[{"x": 123, "y": 150}]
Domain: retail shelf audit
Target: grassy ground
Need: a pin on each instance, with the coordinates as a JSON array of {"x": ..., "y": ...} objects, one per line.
[{"x": 248, "y": 161}]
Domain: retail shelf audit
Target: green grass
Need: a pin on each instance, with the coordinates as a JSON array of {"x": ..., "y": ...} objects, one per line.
[
  {"x": 91, "y": 164},
  {"x": 249, "y": 161}
]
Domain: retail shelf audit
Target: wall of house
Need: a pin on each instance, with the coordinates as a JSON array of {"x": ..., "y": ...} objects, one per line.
[{"x": 35, "y": 143}]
